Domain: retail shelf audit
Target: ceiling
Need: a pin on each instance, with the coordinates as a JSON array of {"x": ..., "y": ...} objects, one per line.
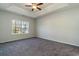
[
  {"x": 21, "y": 9},
  {"x": 22, "y": 5}
]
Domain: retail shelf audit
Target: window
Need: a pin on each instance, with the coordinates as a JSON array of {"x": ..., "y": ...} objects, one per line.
[{"x": 20, "y": 27}]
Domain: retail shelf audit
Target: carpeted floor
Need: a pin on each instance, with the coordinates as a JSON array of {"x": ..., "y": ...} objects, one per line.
[{"x": 37, "y": 47}]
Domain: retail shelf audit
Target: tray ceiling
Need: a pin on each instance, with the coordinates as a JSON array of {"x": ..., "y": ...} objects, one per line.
[{"x": 21, "y": 9}]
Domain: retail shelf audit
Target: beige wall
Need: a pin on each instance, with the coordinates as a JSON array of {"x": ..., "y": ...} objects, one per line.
[
  {"x": 61, "y": 26},
  {"x": 6, "y": 26}
]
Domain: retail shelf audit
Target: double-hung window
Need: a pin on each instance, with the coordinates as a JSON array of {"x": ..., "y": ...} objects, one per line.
[{"x": 20, "y": 27}]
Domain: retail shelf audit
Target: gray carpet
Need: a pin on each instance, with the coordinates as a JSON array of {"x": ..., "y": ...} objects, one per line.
[{"x": 37, "y": 47}]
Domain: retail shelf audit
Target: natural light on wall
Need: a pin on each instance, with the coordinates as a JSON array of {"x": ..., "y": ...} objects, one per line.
[{"x": 20, "y": 27}]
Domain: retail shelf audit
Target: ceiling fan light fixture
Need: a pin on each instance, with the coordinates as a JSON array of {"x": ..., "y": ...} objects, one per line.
[{"x": 34, "y": 7}]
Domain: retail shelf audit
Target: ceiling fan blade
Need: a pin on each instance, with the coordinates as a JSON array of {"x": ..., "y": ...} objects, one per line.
[
  {"x": 39, "y": 4},
  {"x": 38, "y": 8},
  {"x": 32, "y": 9},
  {"x": 28, "y": 5}
]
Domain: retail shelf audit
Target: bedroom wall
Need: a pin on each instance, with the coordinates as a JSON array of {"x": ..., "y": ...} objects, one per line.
[
  {"x": 6, "y": 26},
  {"x": 61, "y": 26}
]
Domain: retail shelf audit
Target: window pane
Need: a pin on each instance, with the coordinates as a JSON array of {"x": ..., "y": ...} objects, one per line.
[{"x": 20, "y": 26}]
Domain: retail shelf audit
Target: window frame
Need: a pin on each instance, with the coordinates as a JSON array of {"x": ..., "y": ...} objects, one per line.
[{"x": 20, "y": 32}]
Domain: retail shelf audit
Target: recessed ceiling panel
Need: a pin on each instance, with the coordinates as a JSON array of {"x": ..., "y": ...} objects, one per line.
[{"x": 27, "y": 11}]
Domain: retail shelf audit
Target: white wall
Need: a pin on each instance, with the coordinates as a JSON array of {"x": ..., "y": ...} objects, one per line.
[
  {"x": 61, "y": 26},
  {"x": 6, "y": 26}
]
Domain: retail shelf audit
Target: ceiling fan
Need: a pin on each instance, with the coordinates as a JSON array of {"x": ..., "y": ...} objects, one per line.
[{"x": 35, "y": 6}]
